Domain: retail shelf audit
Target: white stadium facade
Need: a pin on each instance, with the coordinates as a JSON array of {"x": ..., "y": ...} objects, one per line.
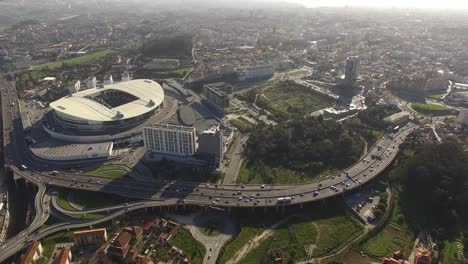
[{"x": 98, "y": 114}]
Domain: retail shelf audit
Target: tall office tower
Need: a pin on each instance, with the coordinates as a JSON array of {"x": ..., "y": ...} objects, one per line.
[
  {"x": 215, "y": 97},
  {"x": 210, "y": 145},
  {"x": 169, "y": 139},
  {"x": 352, "y": 68}
]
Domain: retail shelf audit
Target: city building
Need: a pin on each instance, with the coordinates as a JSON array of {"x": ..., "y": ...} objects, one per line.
[
  {"x": 96, "y": 114},
  {"x": 225, "y": 87},
  {"x": 163, "y": 64},
  {"x": 352, "y": 68},
  {"x": 33, "y": 253},
  {"x": 226, "y": 69},
  {"x": 108, "y": 79},
  {"x": 169, "y": 140},
  {"x": 216, "y": 98},
  {"x": 120, "y": 247},
  {"x": 210, "y": 145},
  {"x": 126, "y": 76},
  {"x": 63, "y": 151},
  {"x": 463, "y": 117},
  {"x": 259, "y": 72},
  {"x": 91, "y": 82},
  {"x": 422, "y": 256},
  {"x": 63, "y": 257},
  {"x": 436, "y": 85},
  {"x": 95, "y": 237},
  {"x": 458, "y": 98},
  {"x": 75, "y": 88}
]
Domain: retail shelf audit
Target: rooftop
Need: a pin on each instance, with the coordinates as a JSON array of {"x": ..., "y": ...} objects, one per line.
[
  {"x": 54, "y": 148},
  {"x": 86, "y": 232},
  {"x": 89, "y": 105},
  {"x": 172, "y": 127}
]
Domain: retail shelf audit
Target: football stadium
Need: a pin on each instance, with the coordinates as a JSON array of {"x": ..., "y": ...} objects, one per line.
[{"x": 98, "y": 113}]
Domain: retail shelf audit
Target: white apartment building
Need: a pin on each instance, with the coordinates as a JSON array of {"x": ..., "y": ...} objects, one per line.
[
  {"x": 91, "y": 82},
  {"x": 169, "y": 139},
  {"x": 259, "y": 72},
  {"x": 75, "y": 88}
]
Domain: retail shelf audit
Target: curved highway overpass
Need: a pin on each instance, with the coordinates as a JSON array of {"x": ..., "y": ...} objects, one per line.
[
  {"x": 19, "y": 160},
  {"x": 367, "y": 168}
]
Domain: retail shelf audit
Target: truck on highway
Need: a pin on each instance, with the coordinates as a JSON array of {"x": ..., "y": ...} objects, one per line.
[{"x": 286, "y": 199}]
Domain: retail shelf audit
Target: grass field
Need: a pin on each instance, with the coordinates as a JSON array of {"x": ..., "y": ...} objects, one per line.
[
  {"x": 242, "y": 124},
  {"x": 387, "y": 241},
  {"x": 431, "y": 109},
  {"x": 296, "y": 72},
  {"x": 247, "y": 233},
  {"x": 289, "y": 240},
  {"x": 183, "y": 71},
  {"x": 393, "y": 237},
  {"x": 287, "y": 99},
  {"x": 277, "y": 175},
  {"x": 87, "y": 200},
  {"x": 63, "y": 202},
  {"x": 436, "y": 96},
  {"x": 327, "y": 229},
  {"x": 336, "y": 231},
  {"x": 74, "y": 61},
  {"x": 95, "y": 199},
  {"x": 193, "y": 249},
  {"x": 110, "y": 171},
  {"x": 251, "y": 226}
]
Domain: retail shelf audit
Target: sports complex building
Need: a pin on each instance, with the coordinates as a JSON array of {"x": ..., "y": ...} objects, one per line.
[{"x": 101, "y": 113}]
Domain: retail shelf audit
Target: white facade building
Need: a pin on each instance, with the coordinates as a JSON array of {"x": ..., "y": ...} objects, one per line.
[
  {"x": 169, "y": 139},
  {"x": 259, "y": 72},
  {"x": 75, "y": 88},
  {"x": 463, "y": 117},
  {"x": 91, "y": 83},
  {"x": 108, "y": 79},
  {"x": 126, "y": 76}
]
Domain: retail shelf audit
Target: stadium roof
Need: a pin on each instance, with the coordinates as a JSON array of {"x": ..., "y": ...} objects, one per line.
[{"x": 83, "y": 105}]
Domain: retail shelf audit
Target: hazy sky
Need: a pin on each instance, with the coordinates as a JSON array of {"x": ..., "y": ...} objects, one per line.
[{"x": 387, "y": 3}]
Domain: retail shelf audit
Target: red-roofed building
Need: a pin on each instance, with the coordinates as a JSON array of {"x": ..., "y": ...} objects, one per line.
[
  {"x": 85, "y": 238},
  {"x": 140, "y": 259},
  {"x": 149, "y": 222},
  {"x": 64, "y": 257},
  {"x": 33, "y": 253},
  {"x": 422, "y": 256},
  {"x": 120, "y": 247},
  {"x": 394, "y": 261},
  {"x": 398, "y": 255}
]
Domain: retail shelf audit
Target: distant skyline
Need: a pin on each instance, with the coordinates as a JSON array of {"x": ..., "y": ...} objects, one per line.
[{"x": 452, "y": 4}]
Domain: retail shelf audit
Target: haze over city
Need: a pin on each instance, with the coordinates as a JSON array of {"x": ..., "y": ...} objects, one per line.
[
  {"x": 249, "y": 131},
  {"x": 449, "y": 4}
]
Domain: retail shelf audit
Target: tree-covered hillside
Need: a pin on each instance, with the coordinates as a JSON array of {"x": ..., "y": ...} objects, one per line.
[{"x": 307, "y": 144}]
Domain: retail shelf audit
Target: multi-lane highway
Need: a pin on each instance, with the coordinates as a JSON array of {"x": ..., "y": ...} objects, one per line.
[
  {"x": 379, "y": 157},
  {"x": 19, "y": 160},
  {"x": 22, "y": 163}
]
